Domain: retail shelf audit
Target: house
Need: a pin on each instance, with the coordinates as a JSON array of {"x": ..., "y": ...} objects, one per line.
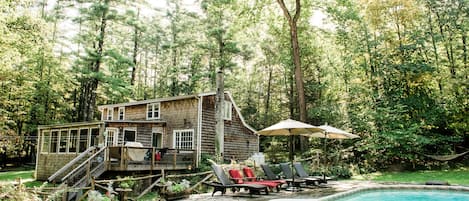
[{"x": 150, "y": 135}]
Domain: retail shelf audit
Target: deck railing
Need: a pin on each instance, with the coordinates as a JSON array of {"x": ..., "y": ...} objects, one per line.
[{"x": 124, "y": 158}]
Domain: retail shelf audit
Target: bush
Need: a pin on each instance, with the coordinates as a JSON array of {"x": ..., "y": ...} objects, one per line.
[{"x": 340, "y": 172}]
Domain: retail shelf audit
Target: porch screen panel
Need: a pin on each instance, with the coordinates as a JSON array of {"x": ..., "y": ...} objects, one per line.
[
  {"x": 94, "y": 135},
  {"x": 63, "y": 141},
  {"x": 54, "y": 141},
  {"x": 73, "y": 141},
  {"x": 45, "y": 141},
  {"x": 184, "y": 139},
  {"x": 83, "y": 140}
]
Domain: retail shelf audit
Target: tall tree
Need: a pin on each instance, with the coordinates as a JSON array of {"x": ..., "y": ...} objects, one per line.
[
  {"x": 295, "y": 47},
  {"x": 97, "y": 15}
]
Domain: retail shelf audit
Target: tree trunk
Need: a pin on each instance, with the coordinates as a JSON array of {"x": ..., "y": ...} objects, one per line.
[
  {"x": 292, "y": 22},
  {"x": 267, "y": 100},
  {"x": 87, "y": 102},
  {"x": 135, "y": 50},
  {"x": 219, "y": 127}
]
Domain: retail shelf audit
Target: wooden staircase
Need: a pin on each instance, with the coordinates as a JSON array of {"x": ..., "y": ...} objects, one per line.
[{"x": 89, "y": 164}]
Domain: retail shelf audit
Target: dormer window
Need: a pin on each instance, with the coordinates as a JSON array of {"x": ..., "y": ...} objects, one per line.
[
  {"x": 227, "y": 110},
  {"x": 121, "y": 113},
  {"x": 153, "y": 111},
  {"x": 110, "y": 112}
]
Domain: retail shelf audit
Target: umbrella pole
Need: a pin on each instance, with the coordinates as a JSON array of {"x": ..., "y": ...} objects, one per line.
[
  {"x": 325, "y": 157},
  {"x": 293, "y": 188}
]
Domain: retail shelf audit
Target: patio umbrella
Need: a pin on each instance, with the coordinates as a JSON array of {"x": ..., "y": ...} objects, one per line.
[
  {"x": 329, "y": 132},
  {"x": 290, "y": 128}
]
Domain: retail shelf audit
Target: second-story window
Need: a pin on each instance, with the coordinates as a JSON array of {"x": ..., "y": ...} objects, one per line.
[
  {"x": 153, "y": 111},
  {"x": 110, "y": 112},
  {"x": 121, "y": 113}
]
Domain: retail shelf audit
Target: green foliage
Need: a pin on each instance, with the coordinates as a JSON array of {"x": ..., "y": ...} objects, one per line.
[
  {"x": 11, "y": 192},
  {"x": 127, "y": 182},
  {"x": 340, "y": 172}
]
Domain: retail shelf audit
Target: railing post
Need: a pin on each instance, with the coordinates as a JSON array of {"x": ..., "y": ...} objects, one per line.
[
  {"x": 88, "y": 170},
  {"x": 122, "y": 158},
  {"x": 152, "y": 159},
  {"x": 174, "y": 159}
]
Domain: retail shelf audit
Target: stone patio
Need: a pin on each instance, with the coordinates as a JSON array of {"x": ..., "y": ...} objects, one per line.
[{"x": 307, "y": 192}]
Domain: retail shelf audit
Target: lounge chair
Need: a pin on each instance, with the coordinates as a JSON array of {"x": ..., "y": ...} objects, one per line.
[
  {"x": 249, "y": 174},
  {"x": 238, "y": 179},
  {"x": 287, "y": 171},
  {"x": 269, "y": 174},
  {"x": 225, "y": 182},
  {"x": 301, "y": 172}
]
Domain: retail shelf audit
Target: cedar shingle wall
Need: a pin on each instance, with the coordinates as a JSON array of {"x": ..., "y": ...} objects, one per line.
[
  {"x": 240, "y": 142},
  {"x": 178, "y": 115},
  {"x": 48, "y": 164}
]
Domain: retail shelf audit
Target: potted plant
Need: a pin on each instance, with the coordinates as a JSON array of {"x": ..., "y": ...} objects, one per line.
[{"x": 174, "y": 190}]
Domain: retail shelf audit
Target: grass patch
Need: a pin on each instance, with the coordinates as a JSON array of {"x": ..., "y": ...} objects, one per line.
[
  {"x": 457, "y": 176},
  {"x": 149, "y": 197},
  {"x": 13, "y": 175}
]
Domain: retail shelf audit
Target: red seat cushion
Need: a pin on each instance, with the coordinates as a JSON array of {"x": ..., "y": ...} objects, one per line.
[{"x": 236, "y": 176}]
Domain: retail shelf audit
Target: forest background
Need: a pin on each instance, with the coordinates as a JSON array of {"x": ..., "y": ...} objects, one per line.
[{"x": 394, "y": 72}]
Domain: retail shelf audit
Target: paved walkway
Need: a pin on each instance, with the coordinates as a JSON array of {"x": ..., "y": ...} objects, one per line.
[{"x": 316, "y": 192}]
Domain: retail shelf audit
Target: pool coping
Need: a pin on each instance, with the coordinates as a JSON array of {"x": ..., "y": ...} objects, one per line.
[{"x": 393, "y": 187}]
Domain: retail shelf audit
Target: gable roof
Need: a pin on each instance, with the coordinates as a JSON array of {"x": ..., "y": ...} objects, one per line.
[
  {"x": 101, "y": 107},
  {"x": 235, "y": 107}
]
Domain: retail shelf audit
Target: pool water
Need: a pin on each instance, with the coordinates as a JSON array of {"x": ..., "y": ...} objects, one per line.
[{"x": 408, "y": 195}]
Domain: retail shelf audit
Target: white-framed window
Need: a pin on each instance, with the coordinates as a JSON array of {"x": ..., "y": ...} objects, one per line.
[
  {"x": 153, "y": 111},
  {"x": 227, "y": 110},
  {"x": 112, "y": 135},
  {"x": 45, "y": 141},
  {"x": 110, "y": 112},
  {"x": 183, "y": 139},
  {"x": 73, "y": 141},
  {"x": 121, "y": 113},
  {"x": 63, "y": 139},
  {"x": 130, "y": 134},
  {"x": 54, "y": 140}
]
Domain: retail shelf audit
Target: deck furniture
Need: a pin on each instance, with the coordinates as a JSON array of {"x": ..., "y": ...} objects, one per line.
[
  {"x": 287, "y": 171},
  {"x": 225, "y": 183},
  {"x": 269, "y": 174},
  {"x": 301, "y": 172},
  {"x": 237, "y": 178},
  {"x": 249, "y": 174}
]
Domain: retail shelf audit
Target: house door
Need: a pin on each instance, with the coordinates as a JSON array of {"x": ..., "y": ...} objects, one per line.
[
  {"x": 111, "y": 136},
  {"x": 156, "y": 139}
]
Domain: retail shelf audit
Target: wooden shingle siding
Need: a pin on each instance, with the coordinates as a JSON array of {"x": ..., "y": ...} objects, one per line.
[
  {"x": 144, "y": 131},
  {"x": 237, "y": 135},
  {"x": 48, "y": 164},
  {"x": 136, "y": 112},
  {"x": 179, "y": 114}
]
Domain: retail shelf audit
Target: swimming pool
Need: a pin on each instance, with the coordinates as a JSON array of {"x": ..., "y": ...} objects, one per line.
[
  {"x": 394, "y": 193},
  {"x": 404, "y": 193},
  {"x": 408, "y": 195}
]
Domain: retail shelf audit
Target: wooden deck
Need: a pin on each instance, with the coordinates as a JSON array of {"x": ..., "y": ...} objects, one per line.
[{"x": 123, "y": 158}]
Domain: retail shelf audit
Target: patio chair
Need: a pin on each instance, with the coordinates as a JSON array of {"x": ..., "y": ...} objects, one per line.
[
  {"x": 225, "y": 183},
  {"x": 287, "y": 171},
  {"x": 269, "y": 174},
  {"x": 238, "y": 179},
  {"x": 249, "y": 174},
  {"x": 301, "y": 172}
]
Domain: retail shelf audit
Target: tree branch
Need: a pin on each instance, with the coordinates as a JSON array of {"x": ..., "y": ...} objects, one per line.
[
  {"x": 285, "y": 10},
  {"x": 297, "y": 11}
]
